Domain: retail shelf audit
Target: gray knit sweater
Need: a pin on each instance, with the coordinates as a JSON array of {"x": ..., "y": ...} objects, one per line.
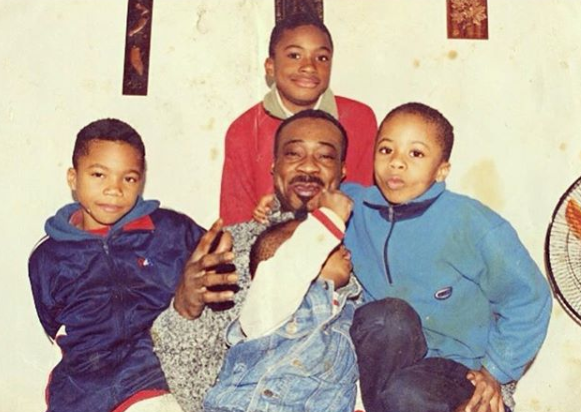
[{"x": 191, "y": 351}]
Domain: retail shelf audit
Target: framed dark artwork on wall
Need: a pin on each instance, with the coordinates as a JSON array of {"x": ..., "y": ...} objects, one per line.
[
  {"x": 284, "y": 8},
  {"x": 467, "y": 19},
  {"x": 137, "y": 44}
]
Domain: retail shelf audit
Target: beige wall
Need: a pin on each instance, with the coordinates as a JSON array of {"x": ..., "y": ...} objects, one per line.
[{"x": 515, "y": 101}]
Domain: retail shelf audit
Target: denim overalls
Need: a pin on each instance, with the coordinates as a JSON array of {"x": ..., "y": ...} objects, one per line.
[{"x": 307, "y": 365}]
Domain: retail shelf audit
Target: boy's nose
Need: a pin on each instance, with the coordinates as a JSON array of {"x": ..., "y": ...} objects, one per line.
[
  {"x": 113, "y": 189},
  {"x": 308, "y": 64},
  {"x": 396, "y": 162}
]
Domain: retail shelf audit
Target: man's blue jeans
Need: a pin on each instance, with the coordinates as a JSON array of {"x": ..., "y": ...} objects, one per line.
[{"x": 395, "y": 375}]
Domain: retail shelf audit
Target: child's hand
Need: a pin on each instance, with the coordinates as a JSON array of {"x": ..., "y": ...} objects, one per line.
[
  {"x": 192, "y": 292},
  {"x": 264, "y": 207},
  {"x": 338, "y": 267},
  {"x": 337, "y": 201},
  {"x": 487, "y": 395}
]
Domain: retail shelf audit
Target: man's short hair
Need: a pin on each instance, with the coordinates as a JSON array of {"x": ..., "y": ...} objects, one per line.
[
  {"x": 313, "y": 114},
  {"x": 444, "y": 129},
  {"x": 292, "y": 22},
  {"x": 112, "y": 130}
]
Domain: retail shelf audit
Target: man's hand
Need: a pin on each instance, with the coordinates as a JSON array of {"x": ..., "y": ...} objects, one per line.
[
  {"x": 199, "y": 273},
  {"x": 487, "y": 395},
  {"x": 337, "y": 201}
]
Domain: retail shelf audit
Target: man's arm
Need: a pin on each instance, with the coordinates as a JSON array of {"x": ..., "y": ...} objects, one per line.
[
  {"x": 188, "y": 339},
  {"x": 190, "y": 353}
]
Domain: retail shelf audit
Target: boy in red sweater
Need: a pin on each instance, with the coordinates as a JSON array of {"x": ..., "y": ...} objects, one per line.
[{"x": 299, "y": 63}]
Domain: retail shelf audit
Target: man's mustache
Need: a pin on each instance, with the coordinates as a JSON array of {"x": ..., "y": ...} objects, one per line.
[{"x": 307, "y": 179}]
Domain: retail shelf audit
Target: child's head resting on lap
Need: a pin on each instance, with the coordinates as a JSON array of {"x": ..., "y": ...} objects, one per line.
[
  {"x": 412, "y": 151},
  {"x": 337, "y": 267}
]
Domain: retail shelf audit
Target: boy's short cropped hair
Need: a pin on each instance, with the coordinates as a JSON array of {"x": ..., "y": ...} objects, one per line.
[
  {"x": 313, "y": 114},
  {"x": 291, "y": 23},
  {"x": 113, "y": 130},
  {"x": 444, "y": 129}
]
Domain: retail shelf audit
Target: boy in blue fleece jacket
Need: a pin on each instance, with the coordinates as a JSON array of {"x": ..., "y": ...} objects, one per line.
[
  {"x": 457, "y": 306},
  {"x": 108, "y": 267}
]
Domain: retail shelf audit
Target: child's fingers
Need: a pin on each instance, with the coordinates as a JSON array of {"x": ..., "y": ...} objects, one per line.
[
  {"x": 266, "y": 201},
  {"x": 260, "y": 216}
]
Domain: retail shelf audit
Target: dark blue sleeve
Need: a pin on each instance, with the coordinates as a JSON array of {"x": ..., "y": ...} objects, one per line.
[{"x": 40, "y": 272}]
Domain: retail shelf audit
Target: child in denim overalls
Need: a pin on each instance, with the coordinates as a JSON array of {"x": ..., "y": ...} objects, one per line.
[{"x": 291, "y": 346}]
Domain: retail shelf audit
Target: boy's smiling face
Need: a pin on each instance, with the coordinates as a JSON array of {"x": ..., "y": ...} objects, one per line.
[
  {"x": 301, "y": 67},
  {"x": 408, "y": 158},
  {"x": 106, "y": 182}
]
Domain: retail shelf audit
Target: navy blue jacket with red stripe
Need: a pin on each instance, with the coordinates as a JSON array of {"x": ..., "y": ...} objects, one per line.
[{"x": 107, "y": 291}]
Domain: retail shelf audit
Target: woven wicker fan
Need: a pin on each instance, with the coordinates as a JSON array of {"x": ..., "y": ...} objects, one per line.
[{"x": 563, "y": 251}]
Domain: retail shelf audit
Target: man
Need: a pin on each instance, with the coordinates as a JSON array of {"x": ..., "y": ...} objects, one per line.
[{"x": 309, "y": 157}]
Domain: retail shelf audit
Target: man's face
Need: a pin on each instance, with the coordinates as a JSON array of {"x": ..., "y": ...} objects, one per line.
[
  {"x": 301, "y": 67},
  {"x": 106, "y": 182},
  {"x": 308, "y": 159}
]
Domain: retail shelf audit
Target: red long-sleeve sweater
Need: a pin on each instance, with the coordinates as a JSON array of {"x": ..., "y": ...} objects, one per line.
[{"x": 248, "y": 156}]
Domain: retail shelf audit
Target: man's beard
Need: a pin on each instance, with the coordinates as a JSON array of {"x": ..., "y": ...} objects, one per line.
[{"x": 303, "y": 209}]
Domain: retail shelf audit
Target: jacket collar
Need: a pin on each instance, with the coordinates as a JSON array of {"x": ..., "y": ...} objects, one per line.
[
  {"x": 273, "y": 106},
  {"x": 416, "y": 207},
  {"x": 141, "y": 223},
  {"x": 59, "y": 227}
]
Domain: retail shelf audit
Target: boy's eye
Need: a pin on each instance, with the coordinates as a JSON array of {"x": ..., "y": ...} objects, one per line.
[
  {"x": 416, "y": 153},
  {"x": 131, "y": 179},
  {"x": 294, "y": 56},
  {"x": 385, "y": 150},
  {"x": 323, "y": 58},
  {"x": 97, "y": 174}
]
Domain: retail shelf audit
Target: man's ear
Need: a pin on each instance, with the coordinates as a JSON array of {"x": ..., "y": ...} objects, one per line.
[
  {"x": 72, "y": 178},
  {"x": 343, "y": 171},
  {"x": 269, "y": 67},
  {"x": 443, "y": 171},
  {"x": 272, "y": 169}
]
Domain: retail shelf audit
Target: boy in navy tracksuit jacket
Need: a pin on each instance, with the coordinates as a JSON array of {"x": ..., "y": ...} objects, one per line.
[
  {"x": 457, "y": 306},
  {"x": 109, "y": 266}
]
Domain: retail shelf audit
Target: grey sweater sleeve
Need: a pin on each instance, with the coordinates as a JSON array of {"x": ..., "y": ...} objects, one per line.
[{"x": 191, "y": 353}]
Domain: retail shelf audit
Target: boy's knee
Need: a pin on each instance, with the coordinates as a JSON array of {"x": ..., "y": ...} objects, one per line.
[
  {"x": 404, "y": 395},
  {"x": 434, "y": 384},
  {"x": 388, "y": 315}
]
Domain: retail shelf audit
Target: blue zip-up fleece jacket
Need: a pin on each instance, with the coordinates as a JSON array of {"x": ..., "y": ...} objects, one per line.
[
  {"x": 107, "y": 291},
  {"x": 481, "y": 298}
]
